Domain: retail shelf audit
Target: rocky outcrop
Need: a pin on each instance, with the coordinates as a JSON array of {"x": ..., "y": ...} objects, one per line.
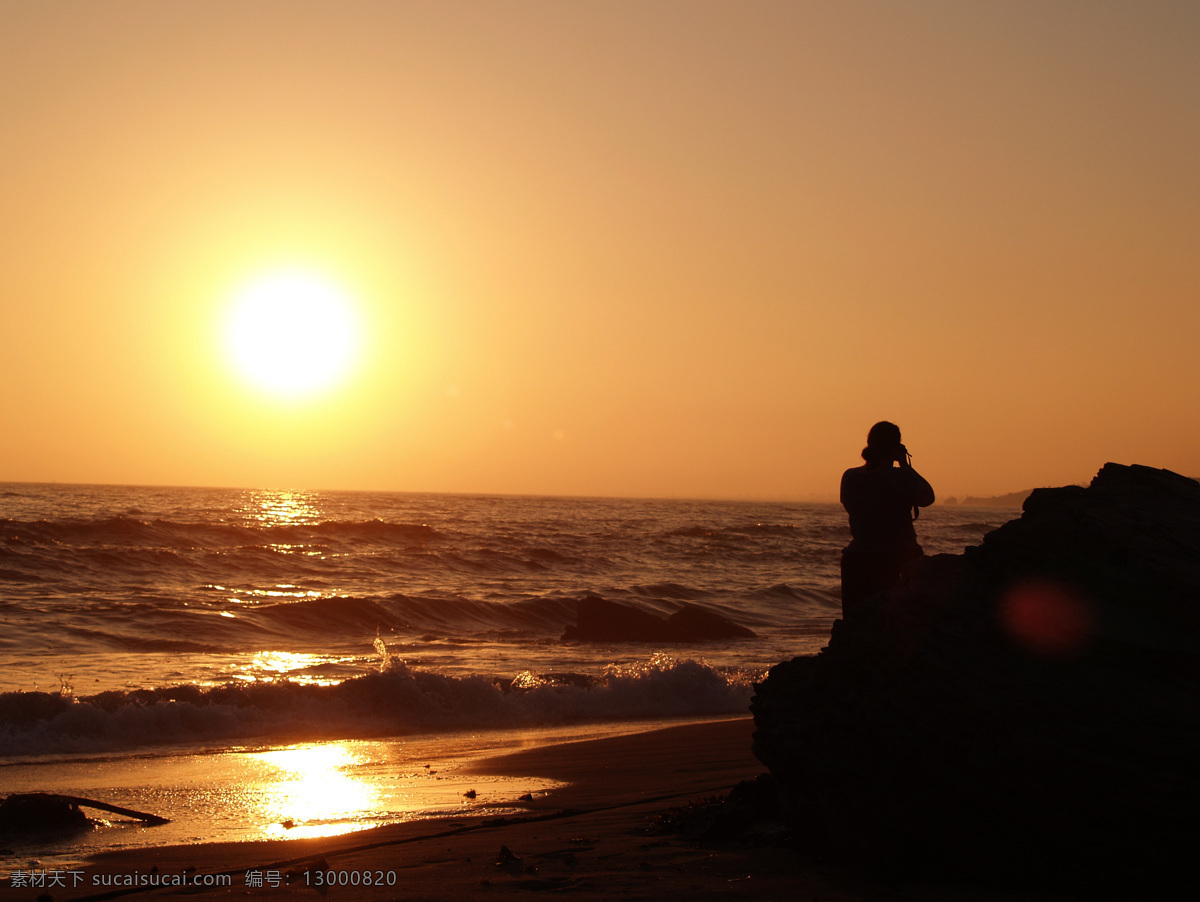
[
  {"x": 44, "y": 814},
  {"x": 38, "y": 813},
  {"x": 600, "y": 620},
  {"x": 1028, "y": 711}
]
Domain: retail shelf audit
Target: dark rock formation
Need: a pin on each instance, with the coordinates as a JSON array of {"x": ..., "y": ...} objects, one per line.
[
  {"x": 695, "y": 624},
  {"x": 40, "y": 813},
  {"x": 1028, "y": 711},
  {"x": 599, "y": 620},
  {"x": 44, "y": 814}
]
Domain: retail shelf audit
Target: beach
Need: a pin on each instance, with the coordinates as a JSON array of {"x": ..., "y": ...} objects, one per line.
[
  {"x": 604, "y": 833},
  {"x": 593, "y": 837}
]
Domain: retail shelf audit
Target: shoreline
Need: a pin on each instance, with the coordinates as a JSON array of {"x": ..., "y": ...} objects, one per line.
[
  {"x": 594, "y": 836},
  {"x": 292, "y": 791},
  {"x": 587, "y": 836}
]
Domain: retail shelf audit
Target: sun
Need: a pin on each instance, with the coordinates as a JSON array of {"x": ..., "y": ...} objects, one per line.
[{"x": 292, "y": 334}]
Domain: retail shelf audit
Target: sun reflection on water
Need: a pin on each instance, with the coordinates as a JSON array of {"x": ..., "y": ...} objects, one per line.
[
  {"x": 281, "y": 508},
  {"x": 295, "y": 667},
  {"x": 275, "y": 512},
  {"x": 314, "y": 792}
]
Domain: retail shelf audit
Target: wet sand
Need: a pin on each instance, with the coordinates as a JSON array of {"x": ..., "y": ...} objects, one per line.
[
  {"x": 589, "y": 838},
  {"x": 592, "y": 838}
]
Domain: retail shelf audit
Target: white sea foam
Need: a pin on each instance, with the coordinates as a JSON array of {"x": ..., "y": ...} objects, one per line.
[{"x": 396, "y": 701}]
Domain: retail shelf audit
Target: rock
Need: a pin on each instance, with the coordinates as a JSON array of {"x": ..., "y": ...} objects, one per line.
[
  {"x": 695, "y": 624},
  {"x": 41, "y": 813},
  {"x": 748, "y": 814},
  {"x": 1028, "y": 711},
  {"x": 599, "y": 620},
  {"x": 507, "y": 861},
  {"x": 48, "y": 813}
]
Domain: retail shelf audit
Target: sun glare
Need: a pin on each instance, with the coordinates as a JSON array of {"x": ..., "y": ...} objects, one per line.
[
  {"x": 317, "y": 793},
  {"x": 292, "y": 334}
]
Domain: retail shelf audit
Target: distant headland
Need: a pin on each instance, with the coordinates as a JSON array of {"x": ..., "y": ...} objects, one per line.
[{"x": 1012, "y": 499}]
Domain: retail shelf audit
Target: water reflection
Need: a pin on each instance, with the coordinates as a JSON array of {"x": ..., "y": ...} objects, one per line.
[
  {"x": 320, "y": 788},
  {"x": 314, "y": 792},
  {"x": 280, "y": 508},
  {"x": 298, "y": 667}
]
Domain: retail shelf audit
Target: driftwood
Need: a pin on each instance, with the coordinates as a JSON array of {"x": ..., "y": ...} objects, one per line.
[
  {"x": 152, "y": 820},
  {"x": 30, "y": 812}
]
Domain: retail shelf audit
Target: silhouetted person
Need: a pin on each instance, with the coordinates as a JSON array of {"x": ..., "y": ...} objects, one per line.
[{"x": 882, "y": 500}]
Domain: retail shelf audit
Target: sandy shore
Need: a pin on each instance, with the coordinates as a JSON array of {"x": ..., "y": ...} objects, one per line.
[{"x": 590, "y": 839}]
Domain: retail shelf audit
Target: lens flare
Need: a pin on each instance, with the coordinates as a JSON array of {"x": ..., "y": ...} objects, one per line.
[{"x": 1046, "y": 617}]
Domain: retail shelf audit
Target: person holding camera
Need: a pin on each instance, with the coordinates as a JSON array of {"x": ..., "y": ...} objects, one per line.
[{"x": 882, "y": 497}]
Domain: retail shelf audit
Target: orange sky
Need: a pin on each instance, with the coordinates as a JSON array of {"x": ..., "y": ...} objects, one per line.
[{"x": 625, "y": 248}]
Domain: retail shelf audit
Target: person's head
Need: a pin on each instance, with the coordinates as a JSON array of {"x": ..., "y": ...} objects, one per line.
[{"x": 883, "y": 443}]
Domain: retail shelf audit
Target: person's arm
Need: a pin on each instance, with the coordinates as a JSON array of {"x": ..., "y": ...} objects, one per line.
[
  {"x": 846, "y": 477},
  {"x": 921, "y": 489}
]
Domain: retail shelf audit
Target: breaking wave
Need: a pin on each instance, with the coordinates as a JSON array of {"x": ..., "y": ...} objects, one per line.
[{"x": 396, "y": 700}]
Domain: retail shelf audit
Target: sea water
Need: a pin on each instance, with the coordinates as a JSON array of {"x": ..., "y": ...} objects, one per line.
[{"x": 161, "y": 624}]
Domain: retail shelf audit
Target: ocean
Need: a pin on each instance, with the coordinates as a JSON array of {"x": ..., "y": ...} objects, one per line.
[{"x": 149, "y": 633}]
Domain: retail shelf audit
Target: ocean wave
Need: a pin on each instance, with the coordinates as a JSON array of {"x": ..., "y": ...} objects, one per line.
[
  {"x": 765, "y": 529},
  {"x": 209, "y": 620},
  {"x": 798, "y": 594},
  {"x": 396, "y": 700},
  {"x": 745, "y": 529},
  {"x": 668, "y": 590},
  {"x": 123, "y": 530},
  {"x": 447, "y": 614},
  {"x": 16, "y": 576}
]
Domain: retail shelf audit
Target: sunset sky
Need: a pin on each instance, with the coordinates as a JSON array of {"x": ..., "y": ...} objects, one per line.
[{"x": 618, "y": 248}]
